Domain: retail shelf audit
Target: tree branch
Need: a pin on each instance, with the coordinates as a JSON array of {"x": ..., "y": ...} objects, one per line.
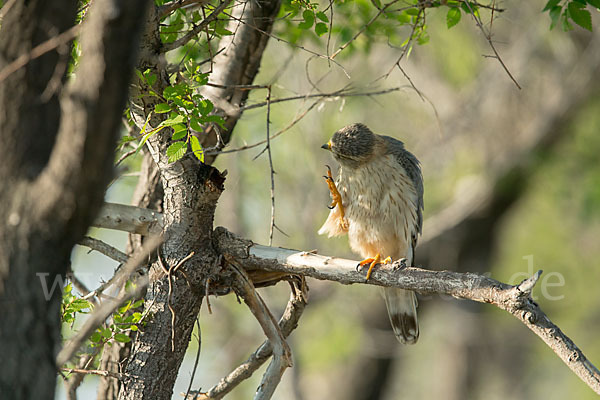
[
  {"x": 196, "y": 29},
  {"x": 129, "y": 219},
  {"x": 103, "y": 248},
  {"x": 171, "y": 6},
  {"x": 287, "y": 323},
  {"x": 262, "y": 261},
  {"x": 514, "y": 299},
  {"x": 282, "y": 357}
]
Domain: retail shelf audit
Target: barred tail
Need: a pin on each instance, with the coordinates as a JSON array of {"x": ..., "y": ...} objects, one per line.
[{"x": 402, "y": 310}]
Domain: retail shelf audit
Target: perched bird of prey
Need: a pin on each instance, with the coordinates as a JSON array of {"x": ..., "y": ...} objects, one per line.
[{"x": 378, "y": 200}]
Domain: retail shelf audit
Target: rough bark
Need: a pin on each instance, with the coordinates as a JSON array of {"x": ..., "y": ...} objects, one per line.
[
  {"x": 238, "y": 64},
  {"x": 190, "y": 195},
  {"x": 58, "y": 149}
]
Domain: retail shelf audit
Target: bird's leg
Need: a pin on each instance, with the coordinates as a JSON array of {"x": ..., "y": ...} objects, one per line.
[
  {"x": 336, "y": 197},
  {"x": 373, "y": 262}
]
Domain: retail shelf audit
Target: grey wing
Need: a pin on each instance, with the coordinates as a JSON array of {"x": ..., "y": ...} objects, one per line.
[{"x": 412, "y": 166}]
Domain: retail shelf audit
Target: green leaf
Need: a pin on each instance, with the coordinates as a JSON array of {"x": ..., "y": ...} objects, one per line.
[
  {"x": 221, "y": 30},
  {"x": 321, "y": 28},
  {"x": 309, "y": 19},
  {"x": 178, "y": 119},
  {"x": 580, "y": 15},
  {"x": 137, "y": 304},
  {"x": 453, "y": 17},
  {"x": 195, "y": 124},
  {"x": 162, "y": 108},
  {"x": 204, "y": 106},
  {"x": 123, "y": 338},
  {"x": 106, "y": 333},
  {"x": 566, "y": 25},
  {"x": 555, "y": 16},
  {"x": 594, "y": 3},
  {"x": 422, "y": 39},
  {"x": 96, "y": 337},
  {"x": 80, "y": 304},
  {"x": 149, "y": 77},
  {"x": 134, "y": 328},
  {"x": 127, "y": 139},
  {"x": 322, "y": 16},
  {"x": 176, "y": 150},
  {"x": 179, "y": 132},
  {"x": 412, "y": 11},
  {"x": 551, "y": 4},
  {"x": 404, "y": 18},
  {"x": 216, "y": 119},
  {"x": 197, "y": 148}
]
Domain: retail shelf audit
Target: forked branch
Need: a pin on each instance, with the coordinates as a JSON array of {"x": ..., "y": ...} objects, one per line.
[{"x": 273, "y": 263}]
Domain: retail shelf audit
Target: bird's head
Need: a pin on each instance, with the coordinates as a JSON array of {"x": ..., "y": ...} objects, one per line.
[{"x": 352, "y": 145}]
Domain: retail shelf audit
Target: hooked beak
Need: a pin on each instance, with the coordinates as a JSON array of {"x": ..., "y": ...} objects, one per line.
[{"x": 327, "y": 146}]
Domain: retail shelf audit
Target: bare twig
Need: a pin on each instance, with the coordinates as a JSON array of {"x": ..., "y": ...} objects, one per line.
[
  {"x": 196, "y": 29},
  {"x": 101, "y": 313},
  {"x": 365, "y": 26},
  {"x": 74, "y": 381},
  {"x": 104, "y": 373},
  {"x": 290, "y": 125},
  {"x": 6, "y": 8},
  {"x": 408, "y": 44},
  {"x": 287, "y": 323},
  {"x": 104, "y": 248},
  {"x": 488, "y": 37},
  {"x": 281, "y": 358},
  {"x": 338, "y": 93},
  {"x": 39, "y": 51},
  {"x": 293, "y": 44},
  {"x": 169, "y": 272},
  {"x": 171, "y": 6},
  {"x": 187, "y": 393},
  {"x": 271, "y": 170}
]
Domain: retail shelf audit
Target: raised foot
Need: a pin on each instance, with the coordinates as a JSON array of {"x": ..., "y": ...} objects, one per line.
[
  {"x": 336, "y": 197},
  {"x": 372, "y": 263}
]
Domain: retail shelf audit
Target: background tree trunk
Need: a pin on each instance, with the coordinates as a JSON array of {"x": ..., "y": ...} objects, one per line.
[{"x": 57, "y": 145}]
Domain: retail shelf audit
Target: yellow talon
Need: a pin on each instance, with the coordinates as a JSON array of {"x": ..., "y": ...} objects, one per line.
[
  {"x": 336, "y": 197},
  {"x": 373, "y": 262}
]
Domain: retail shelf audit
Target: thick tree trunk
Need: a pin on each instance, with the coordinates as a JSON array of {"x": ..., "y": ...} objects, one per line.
[
  {"x": 57, "y": 144},
  {"x": 190, "y": 196}
]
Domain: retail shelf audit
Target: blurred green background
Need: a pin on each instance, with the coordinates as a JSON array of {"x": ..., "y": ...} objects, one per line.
[{"x": 512, "y": 185}]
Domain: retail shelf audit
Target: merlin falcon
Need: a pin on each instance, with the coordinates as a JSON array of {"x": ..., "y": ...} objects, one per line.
[{"x": 378, "y": 201}]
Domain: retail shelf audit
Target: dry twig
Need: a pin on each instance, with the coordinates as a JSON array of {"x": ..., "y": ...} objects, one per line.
[
  {"x": 282, "y": 357},
  {"x": 287, "y": 323}
]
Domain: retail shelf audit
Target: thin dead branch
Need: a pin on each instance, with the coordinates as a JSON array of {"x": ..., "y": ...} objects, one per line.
[
  {"x": 488, "y": 37},
  {"x": 171, "y": 6},
  {"x": 40, "y": 50},
  {"x": 281, "y": 357},
  {"x": 104, "y": 248},
  {"x": 271, "y": 170},
  {"x": 287, "y": 323}
]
